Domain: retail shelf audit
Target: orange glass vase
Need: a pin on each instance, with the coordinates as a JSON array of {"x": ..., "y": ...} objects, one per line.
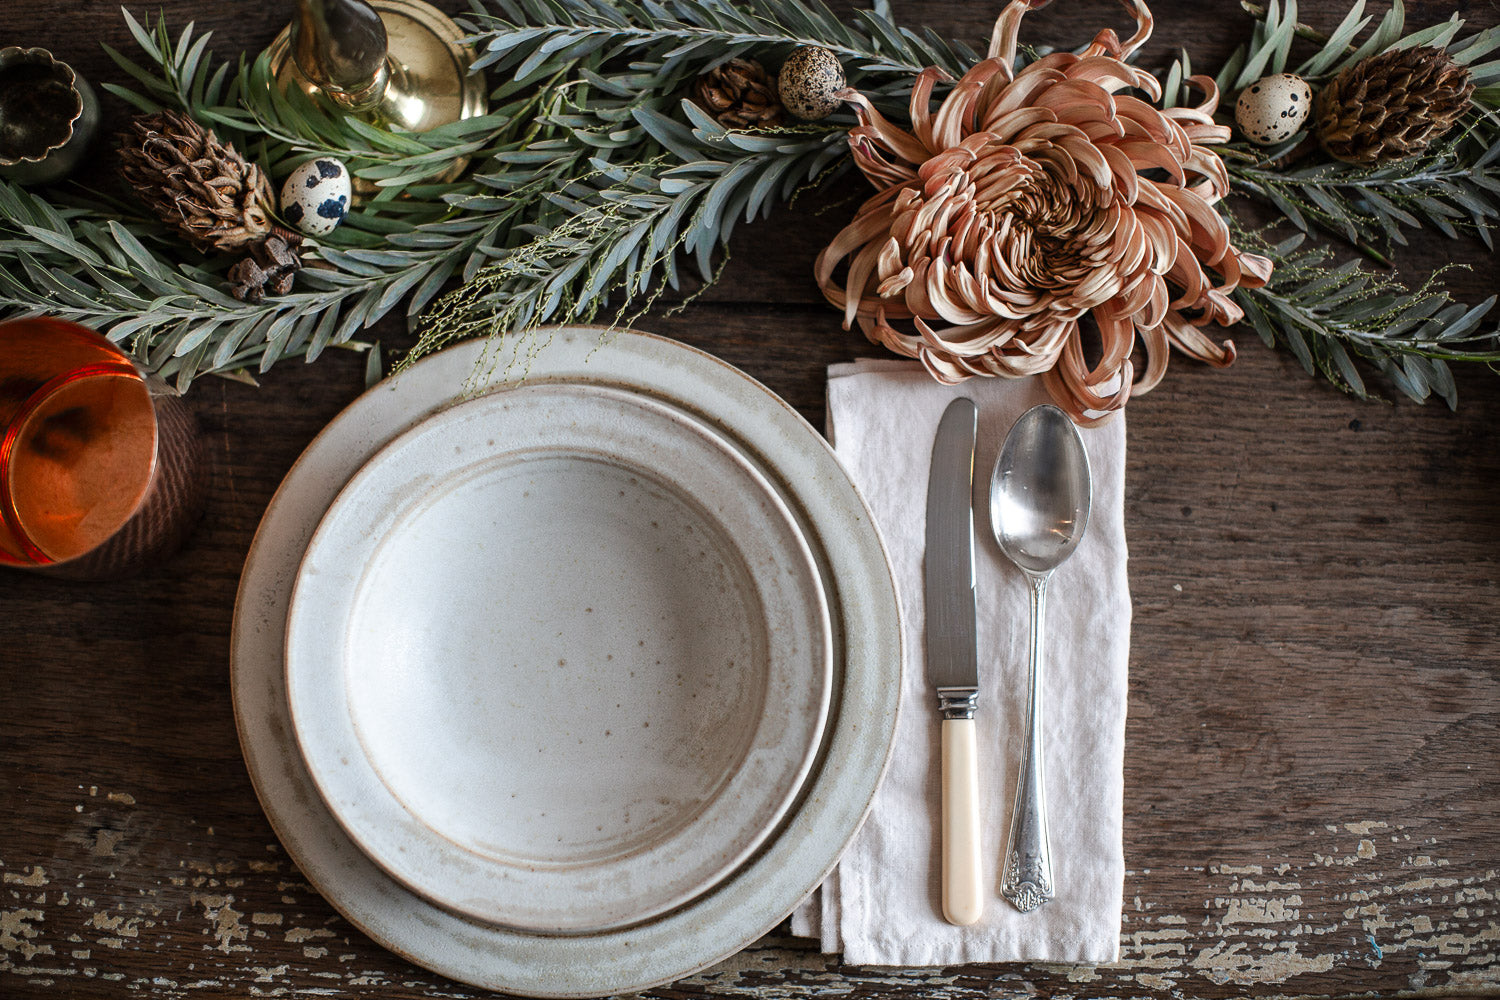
[{"x": 102, "y": 473}]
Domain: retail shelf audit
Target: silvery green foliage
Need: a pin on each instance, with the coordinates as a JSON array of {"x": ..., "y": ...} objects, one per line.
[
  {"x": 592, "y": 182},
  {"x": 654, "y": 182},
  {"x": 1330, "y": 314},
  {"x": 1451, "y": 187},
  {"x": 103, "y": 263}
]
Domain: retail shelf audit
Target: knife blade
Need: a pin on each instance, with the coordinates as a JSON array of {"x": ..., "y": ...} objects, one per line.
[{"x": 952, "y": 652}]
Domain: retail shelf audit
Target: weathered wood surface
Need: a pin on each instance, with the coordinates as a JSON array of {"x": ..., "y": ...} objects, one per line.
[{"x": 1313, "y": 759}]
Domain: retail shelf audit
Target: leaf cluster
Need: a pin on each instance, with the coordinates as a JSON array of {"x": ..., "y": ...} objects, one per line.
[
  {"x": 1276, "y": 27},
  {"x": 1452, "y": 187},
  {"x": 700, "y": 34},
  {"x": 1329, "y": 315},
  {"x": 1269, "y": 48},
  {"x": 658, "y": 181},
  {"x": 591, "y": 179},
  {"x": 170, "y": 306}
]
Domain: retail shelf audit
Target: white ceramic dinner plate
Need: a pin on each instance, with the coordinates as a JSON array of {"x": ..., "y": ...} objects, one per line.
[
  {"x": 559, "y": 658},
  {"x": 864, "y": 618}
]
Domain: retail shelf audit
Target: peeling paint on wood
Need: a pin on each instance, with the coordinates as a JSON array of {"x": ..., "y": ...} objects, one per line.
[
  {"x": 1259, "y": 925},
  {"x": 36, "y": 877}
]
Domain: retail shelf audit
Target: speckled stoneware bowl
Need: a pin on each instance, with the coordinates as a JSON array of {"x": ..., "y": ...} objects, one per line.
[
  {"x": 863, "y": 610},
  {"x": 48, "y": 116},
  {"x": 558, "y": 659}
]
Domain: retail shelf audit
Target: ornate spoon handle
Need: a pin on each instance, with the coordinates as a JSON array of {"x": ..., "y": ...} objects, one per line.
[{"x": 1027, "y": 878}]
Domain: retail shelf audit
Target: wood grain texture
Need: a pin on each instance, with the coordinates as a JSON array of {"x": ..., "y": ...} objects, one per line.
[{"x": 1313, "y": 746}]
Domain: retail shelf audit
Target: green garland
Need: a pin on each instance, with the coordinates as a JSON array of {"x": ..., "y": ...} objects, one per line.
[
  {"x": 595, "y": 184},
  {"x": 1326, "y": 312},
  {"x": 584, "y": 185}
]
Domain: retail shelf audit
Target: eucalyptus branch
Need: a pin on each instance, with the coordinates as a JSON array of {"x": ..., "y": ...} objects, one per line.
[
  {"x": 622, "y": 241},
  {"x": 1330, "y": 316},
  {"x": 1452, "y": 187},
  {"x": 711, "y": 31}
]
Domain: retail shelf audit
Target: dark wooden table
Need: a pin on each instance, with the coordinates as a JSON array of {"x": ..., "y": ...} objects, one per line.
[{"x": 1313, "y": 758}]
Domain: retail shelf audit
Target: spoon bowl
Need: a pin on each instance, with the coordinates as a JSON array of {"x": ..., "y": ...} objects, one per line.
[
  {"x": 1040, "y": 490},
  {"x": 1039, "y": 509}
]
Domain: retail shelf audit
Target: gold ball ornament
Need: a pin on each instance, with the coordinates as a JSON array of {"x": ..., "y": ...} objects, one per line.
[
  {"x": 1273, "y": 108},
  {"x": 809, "y": 83}
]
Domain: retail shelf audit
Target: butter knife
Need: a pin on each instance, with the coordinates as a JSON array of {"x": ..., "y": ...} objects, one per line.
[{"x": 952, "y": 652}]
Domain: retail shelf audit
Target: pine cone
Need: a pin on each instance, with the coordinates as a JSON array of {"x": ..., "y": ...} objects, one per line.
[
  {"x": 740, "y": 94},
  {"x": 1389, "y": 106},
  {"x": 200, "y": 186}
]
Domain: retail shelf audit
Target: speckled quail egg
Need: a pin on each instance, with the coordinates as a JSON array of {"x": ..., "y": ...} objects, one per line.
[
  {"x": 1273, "y": 108},
  {"x": 315, "y": 198},
  {"x": 809, "y": 81}
]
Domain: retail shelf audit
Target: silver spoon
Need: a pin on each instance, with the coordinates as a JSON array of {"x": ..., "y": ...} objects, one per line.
[{"x": 1039, "y": 509}]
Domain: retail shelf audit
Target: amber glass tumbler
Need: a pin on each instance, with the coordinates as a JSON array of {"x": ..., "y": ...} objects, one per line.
[{"x": 102, "y": 473}]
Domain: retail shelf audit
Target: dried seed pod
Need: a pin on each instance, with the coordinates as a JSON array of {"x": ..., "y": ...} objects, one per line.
[
  {"x": 740, "y": 94},
  {"x": 195, "y": 183},
  {"x": 271, "y": 267},
  {"x": 1392, "y": 105}
]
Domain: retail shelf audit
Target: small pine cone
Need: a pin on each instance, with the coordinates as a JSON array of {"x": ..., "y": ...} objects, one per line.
[
  {"x": 196, "y": 184},
  {"x": 1391, "y": 105},
  {"x": 740, "y": 94}
]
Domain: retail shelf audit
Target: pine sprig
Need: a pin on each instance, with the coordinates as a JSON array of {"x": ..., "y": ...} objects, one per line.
[
  {"x": 709, "y": 32},
  {"x": 1451, "y": 187},
  {"x": 1328, "y": 316}
]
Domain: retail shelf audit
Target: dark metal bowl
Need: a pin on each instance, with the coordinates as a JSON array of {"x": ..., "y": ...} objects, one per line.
[{"x": 48, "y": 114}]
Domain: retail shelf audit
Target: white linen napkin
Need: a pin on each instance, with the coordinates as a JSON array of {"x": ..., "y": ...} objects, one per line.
[{"x": 881, "y": 905}]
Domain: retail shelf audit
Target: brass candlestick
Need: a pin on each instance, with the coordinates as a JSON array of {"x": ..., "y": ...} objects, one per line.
[{"x": 399, "y": 64}]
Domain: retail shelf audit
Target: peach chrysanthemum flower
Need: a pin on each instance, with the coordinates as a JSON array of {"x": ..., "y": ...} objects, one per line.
[{"x": 1028, "y": 202}]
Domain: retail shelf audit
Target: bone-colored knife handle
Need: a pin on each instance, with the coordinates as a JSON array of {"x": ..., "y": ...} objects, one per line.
[{"x": 962, "y": 901}]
